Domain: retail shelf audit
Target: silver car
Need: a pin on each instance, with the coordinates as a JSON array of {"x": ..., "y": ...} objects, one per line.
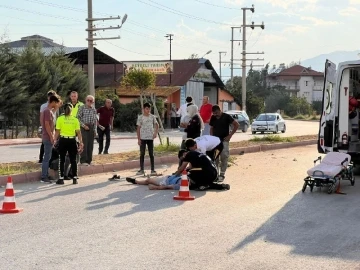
[{"x": 268, "y": 122}]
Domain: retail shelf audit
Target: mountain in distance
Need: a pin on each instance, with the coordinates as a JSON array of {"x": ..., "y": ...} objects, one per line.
[{"x": 318, "y": 62}]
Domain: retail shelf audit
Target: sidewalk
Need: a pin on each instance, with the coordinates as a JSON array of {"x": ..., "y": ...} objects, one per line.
[{"x": 114, "y": 136}]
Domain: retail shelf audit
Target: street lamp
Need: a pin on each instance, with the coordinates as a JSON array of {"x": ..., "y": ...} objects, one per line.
[{"x": 207, "y": 53}]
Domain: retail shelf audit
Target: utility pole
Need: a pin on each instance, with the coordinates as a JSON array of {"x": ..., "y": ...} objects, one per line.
[
  {"x": 91, "y": 29},
  {"x": 169, "y": 36},
  {"x": 220, "y": 53},
  {"x": 232, "y": 57},
  {"x": 252, "y": 9}
]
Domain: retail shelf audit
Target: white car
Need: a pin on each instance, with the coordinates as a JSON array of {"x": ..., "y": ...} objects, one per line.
[{"x": 268, "y": 122}]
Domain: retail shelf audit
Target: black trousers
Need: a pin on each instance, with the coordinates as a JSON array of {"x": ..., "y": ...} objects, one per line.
[
  {"x": 173, "y": 122},
  {"x": 88, "y": 140},
  {"x": 150, "y": 146},
  {"x": 202, "y": 178},
  {"x": 215, "y": 153},
  {"x": 42, "y": 151},
  {"x": 101, "y": 134},
  {"x": 67, "y": 146}
]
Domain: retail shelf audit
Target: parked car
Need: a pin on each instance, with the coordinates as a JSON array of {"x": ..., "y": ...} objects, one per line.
[
  {"x": 268, "y": 122},
  {"x": 242, "y": 118}
]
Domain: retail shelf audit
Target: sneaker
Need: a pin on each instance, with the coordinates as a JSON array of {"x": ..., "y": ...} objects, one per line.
[
  {"x": 153, "y": 173},
  {"x": 60, "y": 181},
  {"x": 75, "y": 181},
  {"x": 131, "y": 180},
  {"x": 45, "y": 180},
  {"x": 221, "y": 178},
  {"x": 140, "y": 172},
  {"x": 225, "y": 186},
  {"x": 202, "y": 188}
]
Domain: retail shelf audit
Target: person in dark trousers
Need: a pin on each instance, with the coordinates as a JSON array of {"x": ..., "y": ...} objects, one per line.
[
  {"x": 106, "y": 119},
  {"x": 48, "y": 124},
  {"x": 219, "y": 126},
  {"x": 87, "y": 116},
  {"x": 67, "y": 128},
  {"x": 202, "y": 171},
  {"x": 147, "y": 129},
  {"x": 196, "y": 124},
  {"x": 42, "y": 108}
]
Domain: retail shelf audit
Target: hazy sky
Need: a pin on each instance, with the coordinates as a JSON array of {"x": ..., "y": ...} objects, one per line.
[{"x": 294, "y": 29}]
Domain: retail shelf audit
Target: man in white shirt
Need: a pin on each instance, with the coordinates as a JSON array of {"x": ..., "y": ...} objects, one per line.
[
  {"x": 182, "y": 110},
  {"x": 207, "y": 144}
]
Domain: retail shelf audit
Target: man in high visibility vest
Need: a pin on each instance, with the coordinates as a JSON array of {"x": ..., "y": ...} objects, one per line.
[{"x": 75, "y": 103}]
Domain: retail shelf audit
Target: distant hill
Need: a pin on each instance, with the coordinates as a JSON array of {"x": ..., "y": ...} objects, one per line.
[{"x": 317, "y": 63}]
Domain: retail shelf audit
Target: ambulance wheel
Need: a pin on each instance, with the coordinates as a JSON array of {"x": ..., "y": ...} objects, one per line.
[{"x": 304, "y": 187}]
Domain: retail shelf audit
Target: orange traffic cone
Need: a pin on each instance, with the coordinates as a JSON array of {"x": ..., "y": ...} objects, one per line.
[
  {"x": 184, "y": 192},
  {"x": 9, "y": 204}
]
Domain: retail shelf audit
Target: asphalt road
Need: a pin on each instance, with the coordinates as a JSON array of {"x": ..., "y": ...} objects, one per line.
[
  {"x": 263, "y": 222},
  {"x": 30, "y": 152}
]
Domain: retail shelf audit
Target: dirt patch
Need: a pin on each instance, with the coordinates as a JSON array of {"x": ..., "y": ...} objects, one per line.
[{"x": 26, "y": 167}]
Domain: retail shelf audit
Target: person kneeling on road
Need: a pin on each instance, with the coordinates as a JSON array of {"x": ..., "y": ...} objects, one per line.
[
  {"x": 159, "y": 183},
  {"x": 207, "y": 144},
  {"x": 202, "y": 171}
]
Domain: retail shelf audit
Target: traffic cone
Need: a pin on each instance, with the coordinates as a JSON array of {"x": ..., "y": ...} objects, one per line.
[
  {"x": 9, "y": 204},
  {"x": 184, "y": 192}
]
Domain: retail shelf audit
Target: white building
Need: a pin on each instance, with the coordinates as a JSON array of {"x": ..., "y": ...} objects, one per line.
[{"x": 298, "y": 80}]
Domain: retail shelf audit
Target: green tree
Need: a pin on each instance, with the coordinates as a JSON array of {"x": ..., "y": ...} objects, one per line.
[
  {"x": 139, "y": 79},
  {"x": 277, "y": 100}
]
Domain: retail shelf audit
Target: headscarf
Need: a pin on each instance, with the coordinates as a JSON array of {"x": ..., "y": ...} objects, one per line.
[{"x": 193, "y": 110}]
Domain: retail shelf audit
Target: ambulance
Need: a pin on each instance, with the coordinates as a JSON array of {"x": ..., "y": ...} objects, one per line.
[{"x": 339, "y": 122}]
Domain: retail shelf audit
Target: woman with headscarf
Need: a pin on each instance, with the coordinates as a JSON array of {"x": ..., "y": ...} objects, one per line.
[{"x": 196, "y": 124}]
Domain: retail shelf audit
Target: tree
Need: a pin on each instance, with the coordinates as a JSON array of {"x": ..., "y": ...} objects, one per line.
[
  {"x": 139, "y": 79},
  {"x": 278, "y": 99}
]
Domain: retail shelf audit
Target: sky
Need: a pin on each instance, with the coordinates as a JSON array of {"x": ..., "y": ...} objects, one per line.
[{"x": 295, "y": 30}]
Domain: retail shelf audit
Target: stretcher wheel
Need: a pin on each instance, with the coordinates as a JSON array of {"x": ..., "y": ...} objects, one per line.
[
  {"x": 311, "y": 187},
  {"x": 304, "y": 187},
  {"x": 352, "y": 177},
  {"x": 331, "y": 188}
]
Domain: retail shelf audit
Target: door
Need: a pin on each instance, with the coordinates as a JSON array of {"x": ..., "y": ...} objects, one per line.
[{"x": 326, "y": 137}]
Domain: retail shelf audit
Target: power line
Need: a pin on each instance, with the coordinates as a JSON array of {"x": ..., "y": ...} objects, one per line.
[
  {"x": 203, "y": 2},
  {"x": 174, "y": 11}
]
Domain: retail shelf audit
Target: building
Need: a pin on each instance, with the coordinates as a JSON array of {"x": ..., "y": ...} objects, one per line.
[
  {"x": 107, "y": 70},
  {"x": 299, "y": 81}
]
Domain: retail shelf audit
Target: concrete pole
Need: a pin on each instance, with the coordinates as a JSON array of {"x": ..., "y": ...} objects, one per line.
[
  {"x": 244, "y": 62},
  {"x": 90, "y": 51},
  {"x": 220, "y": 64},
  {"x": 232, "y": 56}
]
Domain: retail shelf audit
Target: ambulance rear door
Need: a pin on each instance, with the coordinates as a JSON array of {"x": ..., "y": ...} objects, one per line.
[{"x": 328, "y": 120}]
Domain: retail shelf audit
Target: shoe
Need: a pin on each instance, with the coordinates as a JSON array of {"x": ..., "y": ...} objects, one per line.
[
  {"x": 225, "y": 186},
  {"x": 60, "y": 181},
  {"x": 106, "y": 153},
  {"x": 99, "y": 153},
  {"x": 140, "y": 172},
  {"x": 202, "y": 188},
  {"x": 115, "y": 177},
  {"x": 221, "y": 178},
  {"x": 46, "y": 180},
  {"x": 75, "y": 181},
  {"x": 153, "y": 173},
  {"x": 131, "y": 180}
]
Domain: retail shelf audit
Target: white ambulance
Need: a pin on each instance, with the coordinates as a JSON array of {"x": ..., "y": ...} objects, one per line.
[{"x": 339, "y": 130}]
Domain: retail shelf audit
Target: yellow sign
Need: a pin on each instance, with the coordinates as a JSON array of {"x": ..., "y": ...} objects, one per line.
[{"x": 163, "y": 67}]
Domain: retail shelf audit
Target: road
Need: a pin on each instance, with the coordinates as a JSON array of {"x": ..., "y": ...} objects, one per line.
[
  {"x": 30, "y": 152},
  {"x": 263, "y": 222}
]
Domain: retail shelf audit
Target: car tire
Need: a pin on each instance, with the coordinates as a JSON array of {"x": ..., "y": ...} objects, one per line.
[
  {"x": 276, "y": 130},
  {"x": 253, "y": 132},
  {"x": 245, "y": 128},
  {"x": 283, "y": 131}
]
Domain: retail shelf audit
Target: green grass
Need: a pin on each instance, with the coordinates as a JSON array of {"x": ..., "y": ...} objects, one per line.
[
  {"x": 16, "y": 168},
  {"x": 273, "y": 138},
  {"x": 171, "y": 148}
]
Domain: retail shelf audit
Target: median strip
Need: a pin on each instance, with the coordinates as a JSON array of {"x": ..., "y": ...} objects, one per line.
[{"x": 23, "y": 172}]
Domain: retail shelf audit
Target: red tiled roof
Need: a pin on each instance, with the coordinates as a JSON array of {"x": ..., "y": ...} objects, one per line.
[{"x": 297, "y": 70}]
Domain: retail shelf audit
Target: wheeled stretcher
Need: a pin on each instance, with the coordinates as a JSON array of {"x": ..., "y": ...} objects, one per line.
[{"x": 333, "y": 168}]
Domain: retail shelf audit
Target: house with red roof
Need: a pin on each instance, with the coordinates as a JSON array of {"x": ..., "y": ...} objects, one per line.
[{"x": 298, "y": 80}]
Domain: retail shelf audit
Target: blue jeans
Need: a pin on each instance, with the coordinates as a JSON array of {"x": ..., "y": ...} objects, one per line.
[{"x": 47, "y": 156}]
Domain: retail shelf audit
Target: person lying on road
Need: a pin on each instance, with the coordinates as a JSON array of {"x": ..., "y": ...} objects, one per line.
[{"x": 159, "y": 183}]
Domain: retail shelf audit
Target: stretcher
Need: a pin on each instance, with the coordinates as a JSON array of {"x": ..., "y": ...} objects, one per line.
[{"x": 330, "y": 170}]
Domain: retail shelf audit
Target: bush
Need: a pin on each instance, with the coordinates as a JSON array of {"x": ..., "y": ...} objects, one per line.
[{"x": 300, "y": 117}]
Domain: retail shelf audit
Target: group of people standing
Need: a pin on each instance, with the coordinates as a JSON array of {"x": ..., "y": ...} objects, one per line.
[{"x": 70, "y": 129}]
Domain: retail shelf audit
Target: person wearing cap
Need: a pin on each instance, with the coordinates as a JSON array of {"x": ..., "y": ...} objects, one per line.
[
  {"x": 76, "y": 104},
  {"x": 87, "y": 116},
  {"x": 67, "y": 128},
  {"x": 207, "y": 144}
]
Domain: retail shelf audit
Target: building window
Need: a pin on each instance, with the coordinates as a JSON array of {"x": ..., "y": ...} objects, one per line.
[
  {"x": 306, "y": 94},
  {"x": 306, "y": 83}
]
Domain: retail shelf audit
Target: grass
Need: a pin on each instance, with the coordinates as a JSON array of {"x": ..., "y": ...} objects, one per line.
[
  {"x": 273, "y": 138},
  {"x": 160, "y": 150}
]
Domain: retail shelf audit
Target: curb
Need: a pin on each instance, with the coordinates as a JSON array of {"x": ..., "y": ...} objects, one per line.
[{"x": 133, "y": 164}]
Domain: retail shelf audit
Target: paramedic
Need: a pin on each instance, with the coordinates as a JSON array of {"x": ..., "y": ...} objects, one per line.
[
  {"x": 67, "y": 127},
  {"x": 207, "y": 144},
  {"x": 202, "y": 171}
]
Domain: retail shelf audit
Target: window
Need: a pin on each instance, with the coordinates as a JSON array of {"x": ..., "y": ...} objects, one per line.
[
  {"x": 306, "y": 83},
  {"x": 306, "y": 94}
]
